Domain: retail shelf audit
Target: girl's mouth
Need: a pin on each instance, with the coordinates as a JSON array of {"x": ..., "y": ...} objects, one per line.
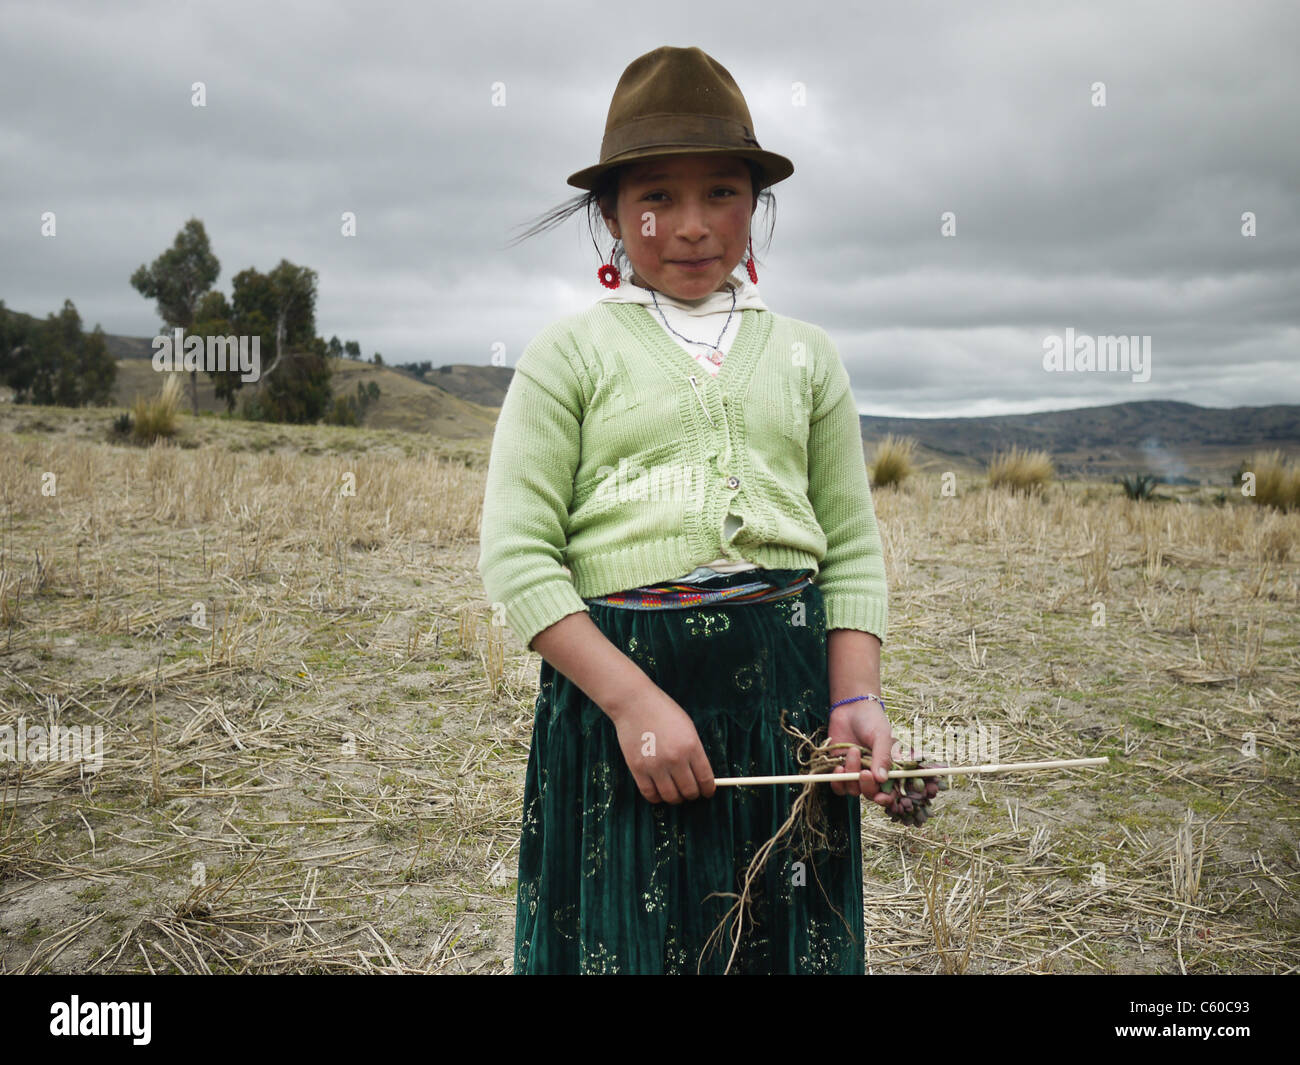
[{"x": 694, "y": 264}]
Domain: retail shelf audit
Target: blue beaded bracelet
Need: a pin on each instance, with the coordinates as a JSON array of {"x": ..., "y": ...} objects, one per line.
[{"x": 858, "y": 698}]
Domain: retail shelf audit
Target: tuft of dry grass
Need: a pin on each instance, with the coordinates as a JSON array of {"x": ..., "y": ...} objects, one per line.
[
  {"x": 1277, "y": 482},
  {"x": 1187, "y": 861},
  {"x": 155, "y": 417},
  {"x": 1021, "y": 470},
  {"x": 946, "y": 914},
  {"x": 892, "y": 464},
  {"x": 15, "y": 846}
]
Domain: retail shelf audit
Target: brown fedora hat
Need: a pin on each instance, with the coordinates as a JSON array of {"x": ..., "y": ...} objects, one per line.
[{"x": 679, "y": 101}]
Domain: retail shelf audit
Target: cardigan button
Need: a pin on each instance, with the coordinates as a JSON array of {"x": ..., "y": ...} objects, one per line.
[{"x": 733, "y": 482}]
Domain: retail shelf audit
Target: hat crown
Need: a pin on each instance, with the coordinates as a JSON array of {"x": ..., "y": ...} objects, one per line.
[
  {"x": 674, "y": 101},
  {"x": 676, "y": 81}
]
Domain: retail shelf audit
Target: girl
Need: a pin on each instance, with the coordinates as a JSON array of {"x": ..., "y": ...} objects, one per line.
[{"x": 678, "y": 519}]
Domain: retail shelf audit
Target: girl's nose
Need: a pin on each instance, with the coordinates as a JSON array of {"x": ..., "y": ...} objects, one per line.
[{"x": 692, "y": 225}]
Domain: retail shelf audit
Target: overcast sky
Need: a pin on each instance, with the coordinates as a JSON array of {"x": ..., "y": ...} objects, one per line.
[{"x": 1124, "y": 219}]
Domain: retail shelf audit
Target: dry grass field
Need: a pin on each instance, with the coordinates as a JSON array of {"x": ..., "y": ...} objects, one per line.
[{"x": 314, "y": 740}]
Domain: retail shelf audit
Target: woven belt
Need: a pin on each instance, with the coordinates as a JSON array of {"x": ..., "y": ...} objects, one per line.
[{"x": 673, "y": 595}]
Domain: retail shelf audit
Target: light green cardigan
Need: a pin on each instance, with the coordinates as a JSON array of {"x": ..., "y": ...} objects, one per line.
[{"x": 611, "y": 469}]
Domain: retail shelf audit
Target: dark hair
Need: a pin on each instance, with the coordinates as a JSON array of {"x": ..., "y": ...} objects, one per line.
[{"x": 606, "y": 189}]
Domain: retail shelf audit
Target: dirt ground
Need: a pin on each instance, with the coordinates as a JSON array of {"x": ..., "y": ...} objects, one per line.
[{"x": 314, "y": 741}]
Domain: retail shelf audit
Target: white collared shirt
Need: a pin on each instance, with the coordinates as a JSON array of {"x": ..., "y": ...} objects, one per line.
[{"x": 701, "y": 319}]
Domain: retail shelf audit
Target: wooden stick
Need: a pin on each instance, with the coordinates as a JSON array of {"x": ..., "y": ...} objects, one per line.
[{"x": 938, "y": 771}]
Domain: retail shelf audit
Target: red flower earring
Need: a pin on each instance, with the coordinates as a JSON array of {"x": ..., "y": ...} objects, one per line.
[
  {"x": 753, "y": 273},
  {"x": 608, "y": 272}
]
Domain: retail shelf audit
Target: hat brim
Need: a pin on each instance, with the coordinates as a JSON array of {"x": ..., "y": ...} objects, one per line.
[{"x": 775, "y": 167}]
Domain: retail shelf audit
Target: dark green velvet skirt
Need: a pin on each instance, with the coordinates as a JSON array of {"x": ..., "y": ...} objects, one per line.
[{"x": 612, "y": 883}]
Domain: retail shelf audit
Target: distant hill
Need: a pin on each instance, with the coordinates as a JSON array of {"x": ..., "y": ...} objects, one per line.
[
  {"x": 485, "y": 385},
  {"x": 1172, "y": 439},
  {"x": 127, "y": 347}
]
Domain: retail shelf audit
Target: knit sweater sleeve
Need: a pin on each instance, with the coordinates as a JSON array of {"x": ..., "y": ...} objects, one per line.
[
  {"x": 852, "y": 575},
  {"x": 535, "y": 452}
]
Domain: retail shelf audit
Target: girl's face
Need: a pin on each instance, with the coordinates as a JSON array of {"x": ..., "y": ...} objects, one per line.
[{"x": 700, "y": 208}]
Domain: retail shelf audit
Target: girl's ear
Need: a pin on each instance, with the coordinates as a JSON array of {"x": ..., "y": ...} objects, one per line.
[{"x": 611, "y": 220}]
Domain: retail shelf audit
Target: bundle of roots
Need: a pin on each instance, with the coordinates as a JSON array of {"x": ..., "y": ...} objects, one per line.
[{"x": 805, "y": 830}]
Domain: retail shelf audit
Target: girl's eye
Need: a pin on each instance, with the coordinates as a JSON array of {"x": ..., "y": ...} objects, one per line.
[{"x": 729, "y": 191}]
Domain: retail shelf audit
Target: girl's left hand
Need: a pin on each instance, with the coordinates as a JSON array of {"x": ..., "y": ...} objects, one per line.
[{"x": 865, "y": 724}]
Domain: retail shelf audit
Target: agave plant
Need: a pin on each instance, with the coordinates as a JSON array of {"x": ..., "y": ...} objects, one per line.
[{"x": 1140, "y": 486}]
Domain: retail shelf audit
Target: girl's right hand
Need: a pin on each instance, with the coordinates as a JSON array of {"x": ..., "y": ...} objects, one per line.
[{"x": 662, "y": 748}]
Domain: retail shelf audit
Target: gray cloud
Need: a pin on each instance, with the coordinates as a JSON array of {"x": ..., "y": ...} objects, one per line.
[{"x": 1116, "y": 220}]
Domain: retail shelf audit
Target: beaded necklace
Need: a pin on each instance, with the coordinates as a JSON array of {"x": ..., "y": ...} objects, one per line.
[{"x": 714, "y": 354}]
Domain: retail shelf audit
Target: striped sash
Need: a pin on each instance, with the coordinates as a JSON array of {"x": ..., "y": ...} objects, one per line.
[{"x": 674, "y": 595}]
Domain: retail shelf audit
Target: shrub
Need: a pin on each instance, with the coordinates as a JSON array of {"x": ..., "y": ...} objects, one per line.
[
  {"x": 344, "y": 412},
  {"x": 350, "y": 410}
]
